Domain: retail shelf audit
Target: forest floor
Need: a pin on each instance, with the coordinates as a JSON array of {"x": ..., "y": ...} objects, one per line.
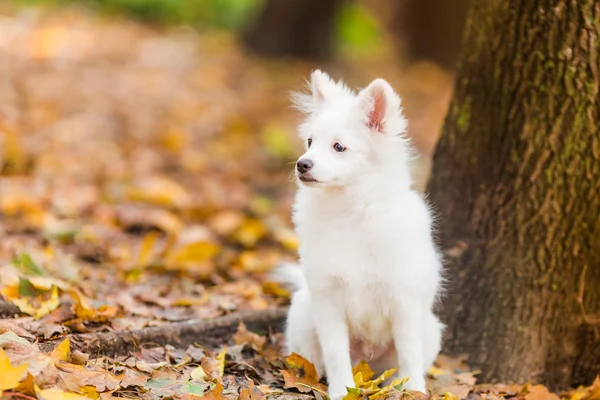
[{"x": 144, "y": 194}]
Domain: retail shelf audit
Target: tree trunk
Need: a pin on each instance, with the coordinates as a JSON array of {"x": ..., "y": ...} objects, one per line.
[
  {"x": 432, "y": 29},
  {"x": 297, "y": 28},
  {"x": 516, "y": 178}
]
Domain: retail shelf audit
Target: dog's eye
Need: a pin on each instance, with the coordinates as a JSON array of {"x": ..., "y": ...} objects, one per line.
[
  {"x": 309, "y": 142},
  {"x": 339, "y": 148}
]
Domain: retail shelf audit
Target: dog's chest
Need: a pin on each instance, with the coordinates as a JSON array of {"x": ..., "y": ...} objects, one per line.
[
  {"x": 368, "y": 307},
  {"x": 348, "y": 242}
]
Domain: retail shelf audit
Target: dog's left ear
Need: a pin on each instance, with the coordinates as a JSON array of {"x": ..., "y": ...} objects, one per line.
[{"x": 379, "y": 103}]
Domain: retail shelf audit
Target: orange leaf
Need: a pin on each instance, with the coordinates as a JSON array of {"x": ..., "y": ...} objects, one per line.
[
  {"x": 539, "y": 392},
  {"x": 302, "y": 375}
]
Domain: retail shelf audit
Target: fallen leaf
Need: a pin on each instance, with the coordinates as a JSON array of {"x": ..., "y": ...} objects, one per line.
[
  {"x": 539, "y": 392},
  {"x": 362, "y": 373},
  {"x": 77, "y": 376},
  {"x": 57, "y": 394},
  {"x": 456, "y": 392},
  {"x": 11, "y": 375},
  {"x": 591, "y": 392},
  {"x": 244, "y": 337},
  {"x": 250, "y": 232},
  {"x": 62, "y": 351},
  {"x": 84, "y": 310},
  {"x": 90, "y": 392},
  {"x": 216, "y": 393},
  {"x": 170, "y": 388},
  {"x": 43, "y": 307},
  {"x": 27, "y": 385},
  {"x": 191, "y": 255},
  {"x": 302, "y": 375},
  {"x": 159, "y": 190},
  {"x": 213, "y": 369},
  {"x": 252, "y": 392},
  {"x": 10, "y": 336}
]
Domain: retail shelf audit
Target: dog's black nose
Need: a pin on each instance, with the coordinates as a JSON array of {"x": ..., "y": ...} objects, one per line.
[{"x": 304, "y": 165}]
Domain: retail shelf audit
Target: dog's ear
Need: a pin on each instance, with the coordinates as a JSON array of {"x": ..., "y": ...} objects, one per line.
[
  {"x": 379, "y": 103},
  {"x": 321, "y": 87},
  {"x": 320, "y": 84}
]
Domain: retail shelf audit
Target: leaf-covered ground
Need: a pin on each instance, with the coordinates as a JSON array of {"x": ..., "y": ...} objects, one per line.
[{"x": 144, "y": 180}]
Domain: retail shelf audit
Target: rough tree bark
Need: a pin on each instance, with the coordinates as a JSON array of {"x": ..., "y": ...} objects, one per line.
[
  {"x": 297, "y": 28},
  {"x": 516, "y": 179},
  {"x": 432, "y": 29}
]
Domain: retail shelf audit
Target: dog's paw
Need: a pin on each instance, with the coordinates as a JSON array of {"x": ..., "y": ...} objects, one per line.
[{"x": 416, "y": 384}]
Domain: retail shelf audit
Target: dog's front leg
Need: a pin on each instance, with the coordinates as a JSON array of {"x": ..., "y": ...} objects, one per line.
[
  {"x": 408, "y": 339},
  {"x": 332, "y": 332}
]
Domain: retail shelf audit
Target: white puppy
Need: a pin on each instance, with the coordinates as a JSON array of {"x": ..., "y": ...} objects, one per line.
[{"x": 370, "y": 272}]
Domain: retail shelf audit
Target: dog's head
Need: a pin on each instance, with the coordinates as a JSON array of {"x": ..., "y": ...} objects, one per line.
[{"x": 347, "y": 135}]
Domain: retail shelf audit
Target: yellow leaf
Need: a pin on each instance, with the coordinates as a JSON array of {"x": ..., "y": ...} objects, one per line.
[
  {"x": 174, "y": 140},
  {"x": 250, "y": 232},
  {"x": 435, "y": 372},
  {"x": 146, "y": 250},
  {"x": 90, "y": 392},
  {"x": 57, "y": 394},
  {"x": 87, "y": 312},
  {"x": 386, "y": 374},
  {"x": 221, "y": 361},
  {"x": 273, "y": 289},
  {"x": 199, "y": 373},
  {"x": 45, "y": 307},
  {"x": 362, "y": 373},
  {"x": 449, "y": 396},
  {"x": 83, "y": 308},
  {"x": 14, "y": 153},
  {"x": 10, "y": 376},
  {"x": 27, "y": 385},
  {"x": 191, "y": 254},
  {"x": 587, "y": 392},
  {"x": 191, "y": 301},
  {"x": 62, "y": 351},
  {"x": 10, "y": 291}
]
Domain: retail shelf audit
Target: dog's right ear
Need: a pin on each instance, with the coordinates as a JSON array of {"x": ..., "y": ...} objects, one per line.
[
  {"x": 322, "y": 89},
  {"x": 319, "y": 84}
]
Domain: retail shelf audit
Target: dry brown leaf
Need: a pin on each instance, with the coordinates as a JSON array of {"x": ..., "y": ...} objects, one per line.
[
  {"x": 76, "y": 376},
  {"x": 243, "y": 336}
]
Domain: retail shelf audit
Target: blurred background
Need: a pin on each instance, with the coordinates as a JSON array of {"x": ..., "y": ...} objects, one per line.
[{"x": 143, "y": 136}]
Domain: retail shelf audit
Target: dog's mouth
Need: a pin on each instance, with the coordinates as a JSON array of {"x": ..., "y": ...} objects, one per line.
[{"x": 307, "y": 178}]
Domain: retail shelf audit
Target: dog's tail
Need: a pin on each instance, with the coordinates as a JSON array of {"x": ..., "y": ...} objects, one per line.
[{"x": 289, "y": 275}]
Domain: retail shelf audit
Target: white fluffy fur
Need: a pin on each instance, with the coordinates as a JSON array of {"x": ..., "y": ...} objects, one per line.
[{"x": 369, "y": 273}]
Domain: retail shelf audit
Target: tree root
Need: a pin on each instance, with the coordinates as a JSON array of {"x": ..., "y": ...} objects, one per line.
[{"x": 207, "y": 333}]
